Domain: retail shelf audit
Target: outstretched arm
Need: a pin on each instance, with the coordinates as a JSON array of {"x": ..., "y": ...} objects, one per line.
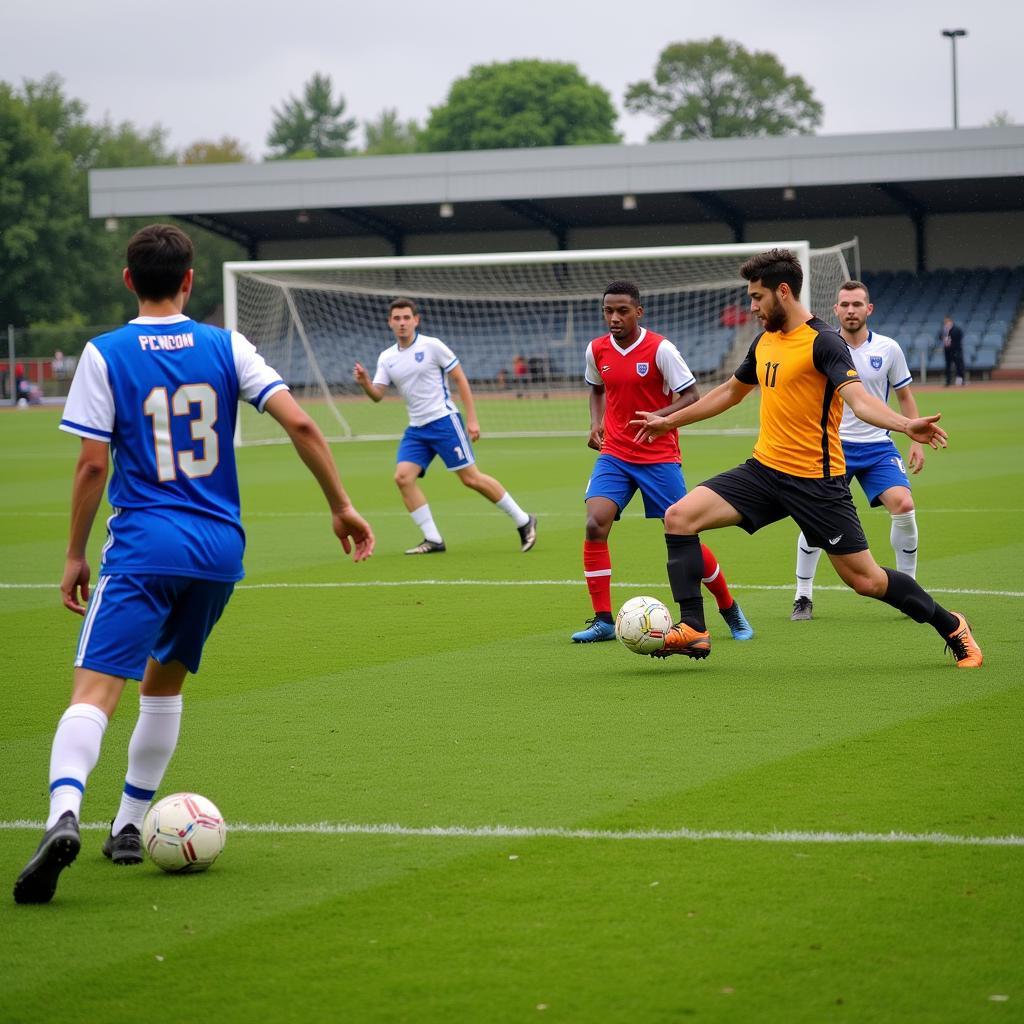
[
  {"x": 86, "y": 495},
  {"x": 924, "y": 429},
  {"x": 348, "y": 525},
  {"x": 651, "y": 425},
  {"x": 362, "y": 378},
  {"x": 908, "y": 406},
  {"x": 458, "y": 375}
]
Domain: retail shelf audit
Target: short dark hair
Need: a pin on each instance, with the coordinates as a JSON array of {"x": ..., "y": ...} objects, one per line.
[
  {"x": 159, "y": 256},
  {"x": 851, "y": 285},
  {"x": 401, "y": 303},
  {"x": 623, "y": 288},
  {"x": 775, "y": 267}
]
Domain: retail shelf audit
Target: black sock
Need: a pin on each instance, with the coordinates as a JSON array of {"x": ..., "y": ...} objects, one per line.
[
  {"x": 604, "y": 617},
  {"x": 908, "y": 596},
  {"x": 685, "y": 569}
]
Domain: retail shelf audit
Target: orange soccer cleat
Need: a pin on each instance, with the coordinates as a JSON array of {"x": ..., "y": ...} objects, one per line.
[
  {"x": 963, "y": 646},
  {"x": 684, "y": 639}
]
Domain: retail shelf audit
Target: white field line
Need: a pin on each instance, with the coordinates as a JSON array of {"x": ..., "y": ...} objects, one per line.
[
  {"x": 355, "y": 584},
  {"x": 629, "y": 835}
]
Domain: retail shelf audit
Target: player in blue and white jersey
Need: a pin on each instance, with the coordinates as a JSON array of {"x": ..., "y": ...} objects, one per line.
[
  {"x": 871, "y": 457},
  {"x": 159, "y": 398},
  {"x": 419, "y": 367}
]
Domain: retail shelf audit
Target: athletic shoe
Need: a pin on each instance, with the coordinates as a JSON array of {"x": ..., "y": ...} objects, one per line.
[
  {"x": 428, "y": 547},
  {"x": 597, "y": 630},
  {"x": 528, "y": 534},
  {"x": 963, "y": 646},
  {"x": 737, "y": 623},
  {"x": 59, "y": 847},
  {"x": 124, "y": 848},
  {"x": 684, "y": 639},
  {"x": 802, "y": 610}
]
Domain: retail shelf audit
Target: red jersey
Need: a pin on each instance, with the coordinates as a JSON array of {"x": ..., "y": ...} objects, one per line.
[{"x": 648, "y": 375}]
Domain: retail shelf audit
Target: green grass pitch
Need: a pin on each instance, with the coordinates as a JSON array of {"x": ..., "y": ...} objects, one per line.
[{"x": 648, "y": 880}]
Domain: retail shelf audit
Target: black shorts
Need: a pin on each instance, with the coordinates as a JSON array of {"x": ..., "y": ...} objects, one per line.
[{"x": 821, "y": 507}]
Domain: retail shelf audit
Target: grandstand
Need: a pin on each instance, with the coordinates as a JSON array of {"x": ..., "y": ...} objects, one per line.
[{"x": 986, "y": 304}]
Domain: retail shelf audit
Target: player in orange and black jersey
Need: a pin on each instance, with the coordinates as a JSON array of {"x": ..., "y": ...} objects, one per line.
[{"x": 805, "y": 374}]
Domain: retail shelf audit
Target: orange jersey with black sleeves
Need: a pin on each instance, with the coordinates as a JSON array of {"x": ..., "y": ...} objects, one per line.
[{"x": 801, "y": 374}]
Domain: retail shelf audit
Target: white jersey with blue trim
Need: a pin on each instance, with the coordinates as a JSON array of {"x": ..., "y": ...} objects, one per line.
[
  {"x": 164, "y": 393},
  {"x": 420, "y": 373},
  {"x": 883, "y": 368}
]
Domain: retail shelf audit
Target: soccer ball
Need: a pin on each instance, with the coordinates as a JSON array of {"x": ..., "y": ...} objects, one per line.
[
  {"x": 642, "y": 623},
  {"x": 183, "y": 832}
]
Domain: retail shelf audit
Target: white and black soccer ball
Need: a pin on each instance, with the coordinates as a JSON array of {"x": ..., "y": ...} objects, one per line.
[
  {"x": 642, "y": 623},
  {"x": 183, "y": 832}
]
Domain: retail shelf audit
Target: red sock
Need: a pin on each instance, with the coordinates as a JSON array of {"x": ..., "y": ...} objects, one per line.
[
  {"x": 597, "y": 568},
  {"x": 714, "y": 579}
]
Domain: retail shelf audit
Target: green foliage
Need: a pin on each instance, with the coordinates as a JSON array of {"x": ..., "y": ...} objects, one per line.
[
  {"x": 389, "y": 135},
  {"x": 717, "y": 89},
  {"x": 225, "y": 150},
  {"x": 312, "y": 123},
  {"x": 519, "y": 104}
]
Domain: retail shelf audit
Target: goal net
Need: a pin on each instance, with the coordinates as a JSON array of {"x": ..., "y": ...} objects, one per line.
[{"x": 519, "y": 323}]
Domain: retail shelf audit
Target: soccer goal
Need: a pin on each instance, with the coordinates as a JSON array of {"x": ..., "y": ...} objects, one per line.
[{"x": 519, "y": 323}]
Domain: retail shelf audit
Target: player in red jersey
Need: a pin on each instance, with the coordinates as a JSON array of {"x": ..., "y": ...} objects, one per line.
[{"x": 626, "y": 368}]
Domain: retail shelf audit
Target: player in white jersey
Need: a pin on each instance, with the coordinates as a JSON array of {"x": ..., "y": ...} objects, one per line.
[
  {"x": 159, "y": 398},
  {"x": 871, "y": 457},
  {"x": 419, "y": 367}
]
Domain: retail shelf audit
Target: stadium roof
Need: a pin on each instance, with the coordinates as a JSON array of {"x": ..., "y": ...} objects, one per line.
[{"x": 725, "y": 181}]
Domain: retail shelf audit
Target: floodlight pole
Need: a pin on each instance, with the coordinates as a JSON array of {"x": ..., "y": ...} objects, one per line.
[{"x": 952, "y": 34}]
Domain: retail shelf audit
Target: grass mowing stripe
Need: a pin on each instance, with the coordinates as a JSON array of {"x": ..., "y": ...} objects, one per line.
[
  {"x": 526, "y": 832},
  {"x": 352, "y": 584}
]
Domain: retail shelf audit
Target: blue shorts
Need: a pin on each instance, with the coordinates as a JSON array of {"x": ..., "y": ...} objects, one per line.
[
  {"x": 661, "y": 484},
  {"x": 876, "y": 467},
  {"x": 446, "y": 437},
  {"x": 132, "y": 618}
]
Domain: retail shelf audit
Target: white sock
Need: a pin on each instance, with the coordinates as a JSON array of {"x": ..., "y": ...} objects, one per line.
[
  {"x": 806, "y": 566},
  {"x": 425, "y": 521},
  {"x": 903, "y": 537},
  {"x": 507, "y": 505},
  {"x": 149, "y": 752},
  {"x": 75, "y": 751}
]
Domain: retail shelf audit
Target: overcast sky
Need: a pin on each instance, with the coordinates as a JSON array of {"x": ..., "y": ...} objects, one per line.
[{"x": 209, "y": 69}]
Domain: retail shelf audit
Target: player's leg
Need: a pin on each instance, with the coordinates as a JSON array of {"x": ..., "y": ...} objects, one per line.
[
  {"x": 884, "y": 478},
  {"x": 415, "y": 454},
  {"x": 807, "y": 557},
  {"x": 195, "y": 606},
  {"x": 609, "y": 490},
  {"x": 903, "y": 535},
  {"x": 662, "y": 484}
]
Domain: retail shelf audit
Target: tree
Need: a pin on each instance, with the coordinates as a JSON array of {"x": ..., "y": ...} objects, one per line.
[
  {"x": 388, "y": 135},
  {"x": 312, "y": 126},
  {"x": 1000, "y": 119},
  {"x": 717, "y": 89},
  {"x": 225, "y": 150},
  {"x": 518, "y": 104}
]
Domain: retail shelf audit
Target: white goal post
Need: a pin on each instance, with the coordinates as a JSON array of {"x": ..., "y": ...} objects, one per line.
[{"x": 519, "y": 323}]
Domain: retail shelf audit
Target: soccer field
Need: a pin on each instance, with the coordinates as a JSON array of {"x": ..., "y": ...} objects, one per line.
[{"x": 441, "y": 810}]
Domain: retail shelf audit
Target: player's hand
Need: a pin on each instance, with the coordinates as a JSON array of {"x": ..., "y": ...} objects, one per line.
[
  {"x": 74, "y": 585},
  {"x": 926, "y": 430},
  {"x": 473, "y": 428},
  {"x": 596, "y": 438},
  {"x": 649, "y": 426},
  {"x": 354, "y": 533},
  {"x": 915, "y": 458},
  {"x": 359, "y": 374}
]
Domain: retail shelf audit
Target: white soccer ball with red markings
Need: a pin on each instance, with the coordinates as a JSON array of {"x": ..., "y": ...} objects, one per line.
[
  {"x": 642, "y": 623},
  {"x": 184, "y": 832}
]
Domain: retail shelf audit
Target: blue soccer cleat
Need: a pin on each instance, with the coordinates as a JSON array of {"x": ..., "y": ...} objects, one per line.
[
  {"x": 737, "y": 623},
  {"x": 596, "y": 631}
]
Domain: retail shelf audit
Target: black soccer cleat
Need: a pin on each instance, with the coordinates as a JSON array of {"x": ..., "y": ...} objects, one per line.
[
  {"x": 59, "y": 847},
  {"x": 528, "y": 534},
  {"x": 427, "y": 547},
  {"x": 125, "y": 848}
]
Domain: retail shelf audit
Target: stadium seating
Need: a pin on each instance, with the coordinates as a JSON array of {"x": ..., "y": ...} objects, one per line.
[{"x": 984, "y": 303}]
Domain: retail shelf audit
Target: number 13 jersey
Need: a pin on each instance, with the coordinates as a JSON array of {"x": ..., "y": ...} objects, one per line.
[{"x": 163, "y": 392}]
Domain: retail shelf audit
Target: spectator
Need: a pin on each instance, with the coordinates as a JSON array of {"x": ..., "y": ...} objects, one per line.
[
  {"x": 58, "y": 364},
  {"x": 952, "y": 338},
  {"x": 733, "y": 315},
  {"x": 521, "y": 372}
]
